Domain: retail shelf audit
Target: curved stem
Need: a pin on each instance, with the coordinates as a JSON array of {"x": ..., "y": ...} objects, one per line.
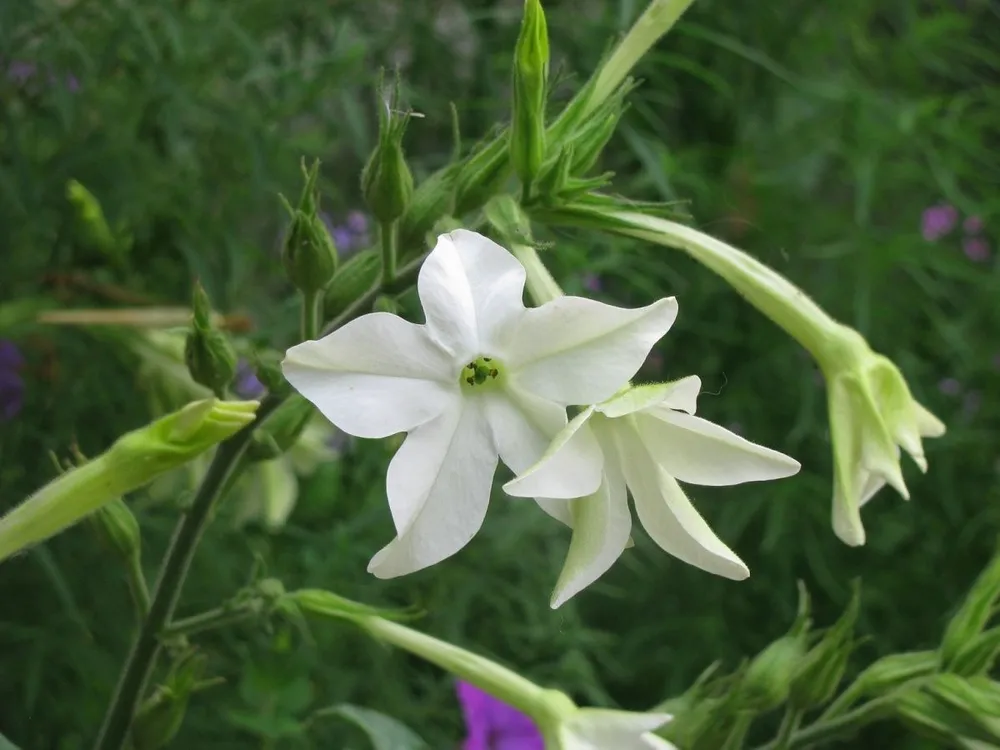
[
  {"x": 142, "y": 658},
  {"x": 213, "y": 618}
]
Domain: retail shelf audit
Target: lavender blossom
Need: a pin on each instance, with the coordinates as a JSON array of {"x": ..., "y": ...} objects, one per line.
[
  {"x": 937, "y": 221},
  {"x": 246, "y": 384}
]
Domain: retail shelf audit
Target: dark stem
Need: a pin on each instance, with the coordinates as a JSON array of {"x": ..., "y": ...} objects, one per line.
[{"x": 142, "y": 658}]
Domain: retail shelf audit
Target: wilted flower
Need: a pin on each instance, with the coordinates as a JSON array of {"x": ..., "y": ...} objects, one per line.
[
  {"x": 937, "y": 221},
  {"x": 493, "y": 725},
  {"x": 484, "y": 378},
  {"x": 646, "y": 439},
  {"x": 11, "y": 384}
]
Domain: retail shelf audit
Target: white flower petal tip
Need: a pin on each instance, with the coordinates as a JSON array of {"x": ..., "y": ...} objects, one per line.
[
  {"x": 571, "y": 467},
  {"x": 580, "y": 351}
]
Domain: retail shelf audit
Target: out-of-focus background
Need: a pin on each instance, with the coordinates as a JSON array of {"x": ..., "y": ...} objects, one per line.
[{"x": 852, "y": 145}]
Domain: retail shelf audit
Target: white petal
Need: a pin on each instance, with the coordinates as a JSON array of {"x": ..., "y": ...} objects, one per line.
[
  {"x": 376, "y": 376},
  {"x": 603, "y": 729},
  {"x": 522, "y": 425},
  {"x": 439, "y": 486},
  {"x": 601, "y": 526},
  {"x": 557, "y": 509},
  {"x": 472, "y": 292},
  {"x": 580, "y": 351},
  {"x": 571, "y": 467},
  {"x": 666, "y": 513},
  {"x": 694, "y": 450},
  {"x": 678, "y": 394}
]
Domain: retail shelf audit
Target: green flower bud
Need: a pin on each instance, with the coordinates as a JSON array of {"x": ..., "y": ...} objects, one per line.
[
  {"x": 822, "y": 669},
  {"x": 308, "y": 254},
  {"x": 160, "y": 716},
  {"x": 118, "y": 529},
  {"x": 134, "y": 460},
  {"x": 267, "y": 367},
  {"x": 386, "y": 181},
  {"x": 977, "y": 609},
  {"x": 93, "y": 230},
  {"x": 433, "y": 198},
  {"x": 482, "y": 176},
  {"x": 209, "y": 356},
  {"x": 892, "y": 671},
  {"x": 281, "y": 429},
  {"x": 531, "y": 71},
  {"x": 352, "y": 281}
]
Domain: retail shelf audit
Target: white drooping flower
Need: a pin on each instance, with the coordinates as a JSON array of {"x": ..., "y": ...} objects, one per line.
[
  {"x": 645, "y": 439},
  {"x": 483, "y": 378}
]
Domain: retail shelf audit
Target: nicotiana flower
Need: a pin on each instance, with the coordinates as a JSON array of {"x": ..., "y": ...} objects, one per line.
[
  {"x": 11, "y": 384},
  {"x": 648, "y": 440},
  {"x": 491, "y": 724},
  {"x": 484, "y": 378}
]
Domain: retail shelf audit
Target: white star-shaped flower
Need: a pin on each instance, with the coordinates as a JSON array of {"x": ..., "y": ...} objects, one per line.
[
  {"x": 483, "y": 378},
  {"x": 645, "y": 439}
]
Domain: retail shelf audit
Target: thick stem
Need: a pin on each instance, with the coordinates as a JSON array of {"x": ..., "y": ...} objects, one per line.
[
  {"x": 312, "y": 313},
  {"x": 388, "y": 233},
  {"x": 142, "y": 658},
  {"x": 541, "y": 285}
]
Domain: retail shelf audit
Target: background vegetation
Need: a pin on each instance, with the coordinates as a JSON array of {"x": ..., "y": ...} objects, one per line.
[{"x": 811, "y": 134}]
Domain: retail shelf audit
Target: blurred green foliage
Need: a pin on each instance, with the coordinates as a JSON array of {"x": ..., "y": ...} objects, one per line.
[{"x": 811, "y": 134}]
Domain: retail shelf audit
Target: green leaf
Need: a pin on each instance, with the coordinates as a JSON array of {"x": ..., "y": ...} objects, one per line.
[
  {"x": 385, "y": 732},
  {"x": 6, "y": 744}
]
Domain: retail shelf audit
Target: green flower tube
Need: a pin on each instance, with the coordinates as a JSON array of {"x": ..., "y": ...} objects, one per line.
[{"x": 132, "y": 461}]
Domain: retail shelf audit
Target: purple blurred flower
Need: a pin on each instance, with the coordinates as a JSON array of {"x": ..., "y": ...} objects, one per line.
[
  {"x": 11, "y": 384},
  {"x": 973, "y": 225},
  {"x": 21, "y": 71},
  {"x": 591, "y": 282},
  {"x": 971, "y": 403},
  {"x": 357, "y": 222},
  {"x": 350, "y": 236},
  {"x": 976, "y": 249},
  {"x": 937, "y": 221},
  {"x": 950, "y": 387},
  {"x": 246, "y": 383},
  {"x": 493, "y": 725}
]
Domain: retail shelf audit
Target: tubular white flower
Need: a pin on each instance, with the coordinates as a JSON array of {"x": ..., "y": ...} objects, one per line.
[
  {"x": 646, "y": 439},
  {"x": 484, "y": 378}
]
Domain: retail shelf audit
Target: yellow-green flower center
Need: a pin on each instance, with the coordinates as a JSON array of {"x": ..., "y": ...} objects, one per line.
[{"x": 481, "y": 373}]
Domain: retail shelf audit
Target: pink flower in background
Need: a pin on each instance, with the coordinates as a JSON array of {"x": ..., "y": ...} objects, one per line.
[
  {"x": 493, "y": 725},
  {"x": 937, "y": 221},
  {"x": 973, "y": 225},
  {"x": 976, "y": 249},
  {"x": 950, "y": 387}
]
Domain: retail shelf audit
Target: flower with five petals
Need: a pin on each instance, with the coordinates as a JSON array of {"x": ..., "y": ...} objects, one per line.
[
  {"x": 484, "y": 378},
  {"x": 645, "y": 439}
]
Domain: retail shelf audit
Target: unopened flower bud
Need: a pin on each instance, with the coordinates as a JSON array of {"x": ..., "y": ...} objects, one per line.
[
  {"x": 531, "y": 70},
  {"x": 822, "y": 669},
  {"x": 281, "y": 429},
  {"x": 386, "y": 181},
  {"x": 118, "y": 529},
  {"x": 352, "y": 281},
  {"x": 210, "y": 357},
  {"x": 308, "y": 254},
  {"x": 977, "y": 609}
]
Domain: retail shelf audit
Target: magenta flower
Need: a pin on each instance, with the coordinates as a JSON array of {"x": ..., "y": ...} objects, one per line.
[
  {"x": 11, "y": 384},
  {"x": 976, "y": 249},
  {"x": 937, "y": 221},
  {"x": 493, "y": 725}
]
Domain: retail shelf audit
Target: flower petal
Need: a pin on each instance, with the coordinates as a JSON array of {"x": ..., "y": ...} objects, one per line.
[
  {"x": 667, "y": 514},
  {"x": 601, "y": 729},
  {"x": 376, "y": 376},
  {"x": 571, "y": 467},
  {"x": 472, "y": 292},
  {"x": 522, "y": 425},
  {"x": 602, "y": 523},
  {"x": 580, "y": 351},
  {"x": 678, "y": 394},
  {"x": 694, "y": 450},
  {"x": 439, "y": 486}
]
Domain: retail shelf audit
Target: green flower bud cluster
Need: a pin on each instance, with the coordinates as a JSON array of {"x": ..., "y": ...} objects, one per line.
[
  {"x": 308, "y": 254},
  {"x": 208, "y": 353}
]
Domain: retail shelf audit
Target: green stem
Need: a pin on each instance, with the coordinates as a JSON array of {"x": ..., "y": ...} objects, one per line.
[
  {"x": 312, "y": 314},
  {"x": 213, "y": 618},
  {"x": 137, "y": 587},
  {"x": 789, "y": 723},
  {"x": 142, "y": 658},
  {"x": 823, "y": 731},
  {"x": 389, "y": 236},
  {"x": 542, "y": 286}
]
